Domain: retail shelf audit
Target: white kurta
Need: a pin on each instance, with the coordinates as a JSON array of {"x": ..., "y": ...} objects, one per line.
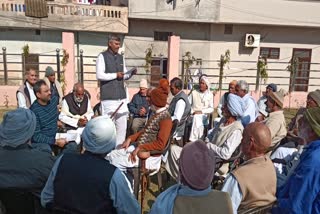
[{"x": 200, "y": 102}]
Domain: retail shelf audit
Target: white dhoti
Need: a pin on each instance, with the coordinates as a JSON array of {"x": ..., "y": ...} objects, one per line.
[
  {"x": 198, "y": 122},
  {"x": 171, "y": 164},
  {"x": 120, "y": 159}
]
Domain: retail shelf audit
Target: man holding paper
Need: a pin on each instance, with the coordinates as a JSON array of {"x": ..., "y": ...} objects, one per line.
[
  {"x": 45, "y": 109},
  {"x": 111, "y": 72},
  {"x": 76, "y": 108}
]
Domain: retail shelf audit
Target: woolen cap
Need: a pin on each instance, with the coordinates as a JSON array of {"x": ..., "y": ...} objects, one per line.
[
  {"x": 315, "y": 95},
  {"x": 49, "y": 71},
  {"x": 99, "y": 135},
  {"x": 197, "y": 165},
  {"x": 17, "y": 127},
  {"x": 313, "y": 117},
  {"x": 272, "y": 86},
  {"x": 159, "y": 95}
]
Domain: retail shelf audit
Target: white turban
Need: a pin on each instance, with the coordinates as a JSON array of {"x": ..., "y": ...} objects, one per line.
[
  {"x": 99, "y": 135},
  {"x": 236, "y": 105},
  {"x": 206, "y": 80}
]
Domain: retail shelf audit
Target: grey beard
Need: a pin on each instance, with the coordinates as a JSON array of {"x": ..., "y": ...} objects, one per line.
[{"x": 78, "y": 100}]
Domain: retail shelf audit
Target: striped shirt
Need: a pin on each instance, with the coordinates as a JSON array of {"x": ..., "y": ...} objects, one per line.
[{"x": 47, "y": 117}]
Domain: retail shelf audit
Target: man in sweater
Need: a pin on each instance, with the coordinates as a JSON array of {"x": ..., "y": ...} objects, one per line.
[
  {"x": 22, "y": 166},
  {"x": 46, "y": 111},
  {"x": 179, "y": 108},
  {"x": 25, "y": 93},
  {"x": 139, "y": 107},
  {"x": 87, "y": 183},
  {"x": 223, "y": 139},
  {"x": 23, "y": 169},
  {"x": 276, "y": 121},
  {"x": 111, "y": 72},
  {"x": 154, "y": 136},
  {"x": 53, "y": 84},
  {"x": 253, "y": 183},
  {"x": 76, "y": 108},
  {"x": 300, "y": 193},
  {"x": 193, "y": 194},
  {"x": 251, "y": 110}
]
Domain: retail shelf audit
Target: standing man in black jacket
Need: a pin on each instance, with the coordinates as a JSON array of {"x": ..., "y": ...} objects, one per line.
[{"x": 111, "y": 72}]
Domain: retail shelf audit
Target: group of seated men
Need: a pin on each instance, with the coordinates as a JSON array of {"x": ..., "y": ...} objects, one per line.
[
  {"x": 95, "y": 180},
  {"x": 45, "y": 98}
]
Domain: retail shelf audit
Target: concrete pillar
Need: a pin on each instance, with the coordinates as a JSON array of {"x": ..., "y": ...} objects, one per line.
[
  {"x": 173, "y": 56},
  {"x": 68, "y": 45}
]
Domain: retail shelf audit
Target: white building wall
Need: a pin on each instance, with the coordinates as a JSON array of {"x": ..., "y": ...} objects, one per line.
[{"x": 208, "y": 42}]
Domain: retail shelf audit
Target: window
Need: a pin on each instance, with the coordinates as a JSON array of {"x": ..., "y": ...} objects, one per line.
[
  {"x": 270, "y": 53},
  {"x": 228, "y": 29},
  {"x": 161, "y": 36}
]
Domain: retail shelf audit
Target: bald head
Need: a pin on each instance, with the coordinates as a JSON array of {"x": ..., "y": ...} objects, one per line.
[{"x": 257, "y": 139}]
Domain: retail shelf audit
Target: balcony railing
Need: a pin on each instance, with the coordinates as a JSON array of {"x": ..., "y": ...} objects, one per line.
[{"x": 118, "y": 16}]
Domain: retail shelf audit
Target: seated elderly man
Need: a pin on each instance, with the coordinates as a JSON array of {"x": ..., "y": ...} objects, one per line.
[
  {"x": 262, "y": 102},
  {"x": 276, "y": 121},
  {"x": 253, "y": 183},
  {"x": 21, "y": 167},
  {"x": 193, "y": 194},
  {"x": 25, "y": 93},
  {"x": 87, "y": 183},
  {"x": 139, "y": 107},
  {"x": 290, "y": 147},
  {"x": 154, "y": 136},
  {"x": 223, "y": 139},
  {"x": 313, "y": 100},
  {"x": 201, "y": 104},
  {"x": 300, "y": 193},
  {"x": 251, "y": 109},
  {"x": 76, "y": 108},
  {"x": 232, "y": 90},
  {"x": 53, "y": 84}
]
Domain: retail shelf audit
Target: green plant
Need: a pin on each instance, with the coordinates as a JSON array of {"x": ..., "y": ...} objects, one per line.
[
  {"x": 25, "y": 50},
  {"x": 64, "y": 62},
  {"x": 293, "y": 65},
  {"x": 262, "y": 66},
  {"x": 188, "y": 60},
  {"x": 224, "y": 60},
  {"x": 148, "y": 58},
  {"x": 292, "y": 68}
]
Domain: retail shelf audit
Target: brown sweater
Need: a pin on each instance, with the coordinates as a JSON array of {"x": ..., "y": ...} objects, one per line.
[
  {"x": 214, "y": 202},
  {"x": 155, "y": 134},
  {"x": 257, "y": 181}
]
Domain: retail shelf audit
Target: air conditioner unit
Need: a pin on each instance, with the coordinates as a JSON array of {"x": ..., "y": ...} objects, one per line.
[{"x": 252, "y": 40}]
